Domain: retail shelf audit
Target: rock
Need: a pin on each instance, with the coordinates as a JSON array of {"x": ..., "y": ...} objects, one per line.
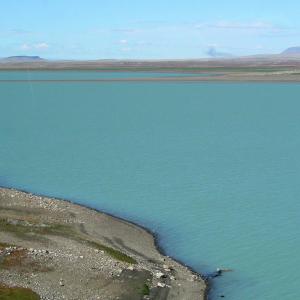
[
  {"x": 159, "y": 275},
  {"x": 161, "y": 284},
  {"x": 131, "y": 268}
]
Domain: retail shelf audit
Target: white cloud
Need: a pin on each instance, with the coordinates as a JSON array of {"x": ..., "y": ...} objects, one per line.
[
  {"x": 41, "y": 46},
  {"x": 38, "y": 46},
  {"x": 123, "y": 42},
  {"x": 25, "y": 47}
]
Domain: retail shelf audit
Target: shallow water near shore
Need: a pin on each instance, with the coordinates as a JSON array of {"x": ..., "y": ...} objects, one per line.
[{"x": 213, "y": 168}]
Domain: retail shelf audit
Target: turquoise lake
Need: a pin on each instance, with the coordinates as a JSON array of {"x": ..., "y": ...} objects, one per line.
[{"x": 212, "y": 168}]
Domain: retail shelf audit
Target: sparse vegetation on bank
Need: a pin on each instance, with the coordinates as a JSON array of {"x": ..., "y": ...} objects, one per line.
[
  {"x": 54, "y": 249},
  {"x": 17, "y": 293}
]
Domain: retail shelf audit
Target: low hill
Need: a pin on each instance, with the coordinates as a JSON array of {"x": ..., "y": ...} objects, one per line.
[
  {"x": 23, "y": 58},
  {"x": 291, "y": 51}
]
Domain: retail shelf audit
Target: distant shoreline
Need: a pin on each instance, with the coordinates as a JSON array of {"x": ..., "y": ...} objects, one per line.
[{"x": 213, "y": 71}]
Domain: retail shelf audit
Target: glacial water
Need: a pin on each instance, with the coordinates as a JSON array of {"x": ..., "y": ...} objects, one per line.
[{"x": 212, "y": 168}]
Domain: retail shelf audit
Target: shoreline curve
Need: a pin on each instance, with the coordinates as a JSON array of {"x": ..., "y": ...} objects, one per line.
[{"x": 196, "y": 287}]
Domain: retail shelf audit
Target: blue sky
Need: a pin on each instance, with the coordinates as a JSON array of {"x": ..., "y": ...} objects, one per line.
[{"x": 126, "y": 29}]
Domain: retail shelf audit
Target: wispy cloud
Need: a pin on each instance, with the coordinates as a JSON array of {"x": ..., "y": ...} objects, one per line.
[
  {"x": 15, "y": 33},
  {"x": 41, "y": 46},
  {"x": 25, "y": 47},
  {"x": 38, "y": 46},
  {"x": 262, "y": 29},
  {"x": 18, "y": 31},
  {"x": 126, "y": 30},
  {"x": 256, "y": 25}
]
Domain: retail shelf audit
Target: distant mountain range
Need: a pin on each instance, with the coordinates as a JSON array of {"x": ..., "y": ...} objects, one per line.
[
  {"x": 291, "y": 51},
  {"x": 290, "y": 56}
]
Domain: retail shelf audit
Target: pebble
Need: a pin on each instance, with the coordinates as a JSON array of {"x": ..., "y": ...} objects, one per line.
[
  {"x": 159, "y": 275},
  {"x": 161, "y": 284}
]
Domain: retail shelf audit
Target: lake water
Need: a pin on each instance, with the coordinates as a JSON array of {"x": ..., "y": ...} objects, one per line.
[{"x": 213, "y": 168}]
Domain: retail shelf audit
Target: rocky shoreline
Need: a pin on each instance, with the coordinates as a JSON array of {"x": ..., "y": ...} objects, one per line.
[{"x": 59, "y": 250}]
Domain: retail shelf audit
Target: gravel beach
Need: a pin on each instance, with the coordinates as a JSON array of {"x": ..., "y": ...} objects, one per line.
[{"x": 55, "y": 249}]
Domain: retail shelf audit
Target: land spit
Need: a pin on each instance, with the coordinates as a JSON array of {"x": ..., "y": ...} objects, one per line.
[
  {"x": 54, "y": 249},
  {"x": 266, "y": 68}
]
